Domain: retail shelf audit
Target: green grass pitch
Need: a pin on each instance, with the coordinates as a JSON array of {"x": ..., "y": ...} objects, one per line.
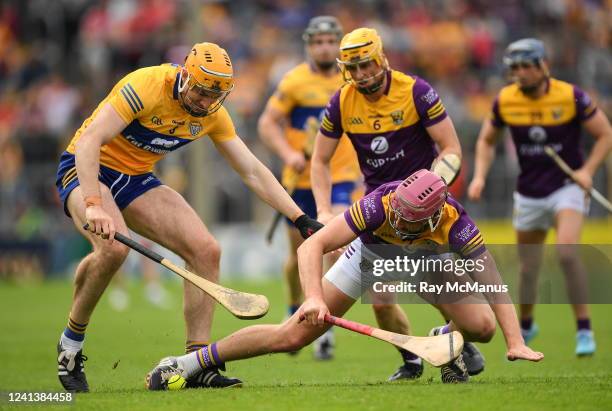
[{"x": 122, "y": 347}]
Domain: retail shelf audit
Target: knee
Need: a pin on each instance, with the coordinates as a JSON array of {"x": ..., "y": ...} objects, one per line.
[
  {"x": 567, "y": 254},
  {"x": 204, "y": 256},
  {"x": 484, "y": 329},
  {"x": 112, "y": 256}
]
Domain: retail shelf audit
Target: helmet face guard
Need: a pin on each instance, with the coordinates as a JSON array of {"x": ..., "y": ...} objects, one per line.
[
  {"x": 398, "y": 222},
  {"x": 188, "y": 86}
]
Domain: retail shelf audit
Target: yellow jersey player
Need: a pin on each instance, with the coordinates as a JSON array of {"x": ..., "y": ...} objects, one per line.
[
  {"x": 403, "y": 213},
  {"x": 105, "y": 179},
  {"x": 288, "y": 126},
  {"x": 398, "y": 125},
  {"x": 542, "y": 111}
]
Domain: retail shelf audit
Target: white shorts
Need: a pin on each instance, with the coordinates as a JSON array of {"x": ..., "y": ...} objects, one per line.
[
  {"x": 351, "y": 269},
  {"x": 539, "y": 213}
]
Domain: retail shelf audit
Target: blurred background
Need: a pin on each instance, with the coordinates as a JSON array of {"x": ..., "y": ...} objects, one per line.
[{"x": 59, "y": 58}]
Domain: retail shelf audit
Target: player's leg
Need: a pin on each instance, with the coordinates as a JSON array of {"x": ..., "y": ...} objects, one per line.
[
  {"x": 290, "y": 271},
  {"x": 569, "y": 226},
  {"x": 476, "y": 322},
  {"x": 341, "y": 199},
  {"x": 532, "y": 219},
  {"x": 248, "y": 342},
  {"x": 163, "y": 216},
  {"x": 93, "y": 274}
]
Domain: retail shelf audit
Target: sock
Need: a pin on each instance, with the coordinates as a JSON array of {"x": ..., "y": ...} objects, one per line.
[
  {"x": 583, "y": 324},
  {"x": 73, "y": 336},
  {"x": 526, "y": 323},
  {"x": 407, "y": 356},
  {"x": 445, "y": 329},
  {"x": 191, "y": 346},
  {"x": 201, "y": 359},
  {"x": 292, "y": 309}
]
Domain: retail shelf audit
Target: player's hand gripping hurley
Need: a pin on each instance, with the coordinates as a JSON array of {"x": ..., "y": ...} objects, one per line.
[
  {"x": 597, "y": 196},
  {"x": 437, "y": 350},
  {"x": 245, "y": 306}
]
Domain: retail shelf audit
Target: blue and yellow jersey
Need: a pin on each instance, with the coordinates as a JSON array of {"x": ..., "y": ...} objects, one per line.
[
  {"x": 553, "y": 119},
  {"x": 369, "y": 218},
  {"x": 390, "y": 134},
  {"x": 303, "y": 94},
  {"x": 147, "y": 100}
]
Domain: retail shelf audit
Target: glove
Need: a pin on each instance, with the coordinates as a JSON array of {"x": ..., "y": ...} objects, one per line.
[{"x": 307, "y": 226}]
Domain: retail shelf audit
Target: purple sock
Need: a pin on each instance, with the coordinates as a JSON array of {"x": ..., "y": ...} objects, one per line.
[
  {"x": 445, "y": 329},
  {"x": 407, "y": 355},
  {"x": 583, "y": 324},
  {"x": 526, "y": 323}
]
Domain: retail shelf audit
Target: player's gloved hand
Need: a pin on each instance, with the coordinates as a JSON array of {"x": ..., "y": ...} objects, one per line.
[
  {"x": 313, "y": 311},
  {"x": 99, "y": 222},
  {"x": 307, "y": 225},
  {"x": 522, "y": 352}
]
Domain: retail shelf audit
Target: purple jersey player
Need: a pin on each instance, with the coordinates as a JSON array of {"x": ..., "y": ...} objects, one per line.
[
  {"x": 404, "y": 212},
  {"x": 541, "y": 111},
  {"x": 397, "y": 123}
]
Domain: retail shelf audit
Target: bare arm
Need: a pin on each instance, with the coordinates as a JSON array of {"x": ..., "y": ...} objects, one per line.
[
  {"x": 504, "y": 310},
  {"x": 105, "y": 126},
  {"x": 485, "y": 154},
  {"x": 334, "y": 235},
  {"x": 258, "y": 177},
  {"x": 445, "y": 136},
  {"x": 271, "y": 126},
  {"x": 599, "y": 127},
  {"x": 320, "y": 174}
]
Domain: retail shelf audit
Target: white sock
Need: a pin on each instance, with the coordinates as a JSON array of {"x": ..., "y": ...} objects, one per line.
[
  {"x": 190, "y": 364},
  {"x": 417, "y": 361},
  {"x": 70, "y": 344}
]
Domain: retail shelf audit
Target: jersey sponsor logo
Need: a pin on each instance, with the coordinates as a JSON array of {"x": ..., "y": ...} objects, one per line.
[
  {"x": 379, "y": 145},
  {"x": 379, "y": 162},
  {"x": 430, "y": 96},
  {"x": 537, "y": 134},
  {"x": 164, "y": 143},
  {"x": 397, "y": 117},
  {"x": 195, "y": 127},
  {"x": 528, "y": 150},
  {"x": 355, "y": 120}
]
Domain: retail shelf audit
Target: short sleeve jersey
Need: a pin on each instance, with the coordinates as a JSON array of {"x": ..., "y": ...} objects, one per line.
[
  {"x": 390, "y": 134},
  {"x": 147, "y": 100},
  {"x": 553, "y": 119}
]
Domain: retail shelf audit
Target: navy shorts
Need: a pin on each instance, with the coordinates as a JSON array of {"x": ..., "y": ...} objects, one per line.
[
  {"x": 341, "y": 194},
  {"x": 124, "y": 188}
]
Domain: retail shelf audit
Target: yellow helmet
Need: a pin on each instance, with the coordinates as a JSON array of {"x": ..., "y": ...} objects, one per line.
[
  {"x": 207, "y": 72},
  {"x": 358, "y": 46}
]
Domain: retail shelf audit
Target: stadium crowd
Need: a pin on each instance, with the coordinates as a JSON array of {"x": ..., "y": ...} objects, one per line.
[{"x": 57, "y": 59}]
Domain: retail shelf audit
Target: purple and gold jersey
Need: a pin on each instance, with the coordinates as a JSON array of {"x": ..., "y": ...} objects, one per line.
[
  {"x": 302, "y": 94},
  {"x": 369, "y": 219},
  {"x": 147, "y": 100},
  {"x": 389, "y": 135},
  {"x": 553, "y": 119}
]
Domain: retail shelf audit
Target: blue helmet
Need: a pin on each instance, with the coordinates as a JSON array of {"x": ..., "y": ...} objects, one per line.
[{"x": 525, "y": 50}]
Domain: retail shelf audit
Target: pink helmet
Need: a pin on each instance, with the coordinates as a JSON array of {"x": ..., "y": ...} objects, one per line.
[{"x": 419, "y": 198}]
